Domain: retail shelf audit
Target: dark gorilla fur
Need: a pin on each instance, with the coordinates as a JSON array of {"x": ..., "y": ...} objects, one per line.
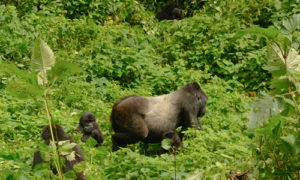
[
  {"x": 136, "y": 118},
  {"x": 170, "y": 12},
  {"x": 89, "y": 127},
  {"x": 61, "y": 136}
]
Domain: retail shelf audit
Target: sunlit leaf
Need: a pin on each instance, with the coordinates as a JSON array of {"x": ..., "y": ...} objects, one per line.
[
  {"x": 42, "y": 56},
  {"x": 178, "y": 129},
  {"x": 66, "y": 144},
  {"x": 40, "y": 79},
  {"x": 166, "y": 144},
  {"x": 293, "y": 60},
  {"x": 278, "y": 52},
  {"x": 42, "y": 60},
  {"x": 70, "y": 156}
]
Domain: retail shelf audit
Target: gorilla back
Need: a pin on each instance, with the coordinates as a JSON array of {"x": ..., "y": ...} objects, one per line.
[{"x": 136, "y": 118}]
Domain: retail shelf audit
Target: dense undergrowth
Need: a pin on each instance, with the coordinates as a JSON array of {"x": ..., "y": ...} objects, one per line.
[{"x": 124, "y": 50}]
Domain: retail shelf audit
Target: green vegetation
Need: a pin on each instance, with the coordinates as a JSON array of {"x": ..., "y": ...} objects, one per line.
[{"x": 234, "y": 49}]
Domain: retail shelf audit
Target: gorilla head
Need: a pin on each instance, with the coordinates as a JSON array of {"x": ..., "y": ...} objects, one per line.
[
  {"x": 136, "y": 118},
  {"x": 60, "y": 135},
  {"x": 176, "y": 14},
  {"x": 170, "y": 12},
  {"x": 89, "y": 127}
]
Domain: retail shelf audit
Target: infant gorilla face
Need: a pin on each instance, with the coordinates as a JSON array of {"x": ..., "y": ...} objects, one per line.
[
  {"x": 88, "y": 122},
  {"x": 89, "y": 127}
]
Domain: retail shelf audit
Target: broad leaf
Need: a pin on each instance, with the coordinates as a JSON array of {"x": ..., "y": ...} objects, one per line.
[
  {"x": 290, "y": 139},
  {"x": 166, "y": 144},
  {"x": 24, "y": 89},
  {"x": 91, "y": 142},
  {"x": 63, "y": 69},
  {"x": 289, "y": 144},
  {"x": 293, "y": 60},
  {"x": 70, "y": 175},
  {"x": 42, "y": 60},
  {"x": 277, "y": 66},
  {"x": 10, "y": 69},
  {"x": 40, "y": 78},
  {"x": 81, "y": 166},
  {"x": 276, "y": 52},
  {"x": 70, "y": 156},
  {"x": 273, "y": 128},
  {"x": 66, "y": 145},
  {"x": 42, "y": 56},
  {"x": 262, "y": 109},
  {"x": 283, "y": 41},
  {"x": 292, "y": 24}
]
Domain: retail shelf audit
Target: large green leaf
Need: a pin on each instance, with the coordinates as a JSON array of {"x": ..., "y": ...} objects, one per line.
[
  {"x": 43, "y": 58},
  {"x": 63, "y": 69},
  {"x": 273, "y": 128},
  {"x": 262, "y": 109},
  {"x": 293, "y": 60},
  {"x": 166, "y": 144},
  {"x": 292, "y": 24},
  {"x": 10, "y": 69},
  {"x": 24, "y": 85},
  {"x": 290, "y": 139},
  {"x": 289, "y": 144},
  {"x": 24, "y": 89},
  {"x": 278, "y": 64}
]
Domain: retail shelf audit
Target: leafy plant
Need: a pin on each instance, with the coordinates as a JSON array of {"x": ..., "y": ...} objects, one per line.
[
  {"x": 275, "y": 118},
  {"x": 36, "y": 85}
]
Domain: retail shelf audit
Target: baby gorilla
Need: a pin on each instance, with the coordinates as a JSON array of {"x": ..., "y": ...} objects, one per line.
[
  {"x": 61, "y": 136},
  {"x": 89, "y": 127}
]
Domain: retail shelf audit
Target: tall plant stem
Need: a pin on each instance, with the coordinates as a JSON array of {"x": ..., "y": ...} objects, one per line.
[
  {"x": 55, "y": 149},
  {"x": 175, "y": 164}
]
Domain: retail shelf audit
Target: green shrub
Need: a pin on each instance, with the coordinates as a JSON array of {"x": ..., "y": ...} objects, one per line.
[{"x": 204, "y": 43}]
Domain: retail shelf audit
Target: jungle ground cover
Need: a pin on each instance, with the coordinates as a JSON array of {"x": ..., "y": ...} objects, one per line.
[{"x": 124, "y": 50}]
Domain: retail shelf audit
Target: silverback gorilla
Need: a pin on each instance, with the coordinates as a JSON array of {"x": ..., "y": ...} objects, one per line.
[
  {"x": 136, "y": 118},
  {"x": 61, "y": 136},
  {"x": 89, "y": 127}
]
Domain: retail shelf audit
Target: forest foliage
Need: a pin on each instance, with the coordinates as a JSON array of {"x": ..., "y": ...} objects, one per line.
[{"x": 244, "y": 54}]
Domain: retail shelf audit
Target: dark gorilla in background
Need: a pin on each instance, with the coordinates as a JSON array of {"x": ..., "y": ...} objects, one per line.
[
  {"x": 61, "y": 136},
  {"x": 136, "y": 118},
  {"x": 89, "y": 127},
  {"x": 169, "y": 12}
]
